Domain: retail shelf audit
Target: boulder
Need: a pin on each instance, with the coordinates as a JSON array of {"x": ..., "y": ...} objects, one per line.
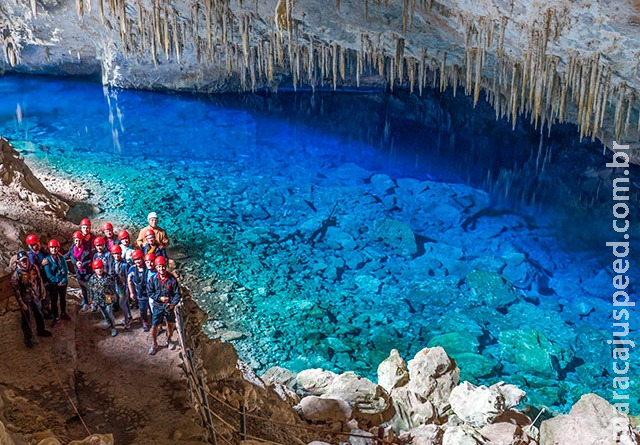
[
  {"x": 319, "y": 409},
  {"x": 462, "y": 435},
  {"x": 511, "y": 393},
  {"x": 504, "y": 433},
  {"x": 456, "y": 342},
  {"x": 278, "y": 374},
  {"x": 395, "y": 234},
  {"x": 392, "y": 372},
  {"x": 314, "y": 381},
  {"x": 491, "y": 289},
  {"x": 357, "y": 439},
  {"x": 426, "y": 435},
  {"x": 476, "y": 405},
  {"x": 370, "y": 402},
  {"x": 411, "y": 410},
  {"x": 592, "y": 420},
  {"x": 5, "y": 438},
  {"x": 532, "y": 352},
  {"x": 432, "y": 375}
]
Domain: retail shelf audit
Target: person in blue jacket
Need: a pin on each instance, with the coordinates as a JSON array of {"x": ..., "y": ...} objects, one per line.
[
  {"x": 57, "y": 272},
  {"x": 165, "y": 293}
]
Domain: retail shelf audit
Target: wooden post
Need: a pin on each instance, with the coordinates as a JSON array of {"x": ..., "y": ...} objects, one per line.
[{"x": 243, "y": 423}]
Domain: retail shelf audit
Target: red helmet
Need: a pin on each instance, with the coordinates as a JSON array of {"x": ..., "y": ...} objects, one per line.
[
  {"x": 107, "y": 226},
  {"x": 32, "y": 239},
  {"x": 116, "y": 249},
  {"x": 149, "y": 257},
  {"x": 54, "y": 243},
  {"x": 99, "y": 241},
  {"x": 85, "y": 222},
  {"x": 149, "y": 233},
  {"x": 123, "y": 234},
  {"x": 160, "y": 260},
  {"x": 78, "y": 235},
  {"x": 137, "y": 254},
  {"x": 97, "y": 264}
]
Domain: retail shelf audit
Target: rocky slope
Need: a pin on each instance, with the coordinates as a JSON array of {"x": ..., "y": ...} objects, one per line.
[{"x": 548, "y": 60}]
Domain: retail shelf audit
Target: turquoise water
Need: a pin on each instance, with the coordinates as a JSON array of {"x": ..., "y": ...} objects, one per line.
[{"x": 329, "y": 229}]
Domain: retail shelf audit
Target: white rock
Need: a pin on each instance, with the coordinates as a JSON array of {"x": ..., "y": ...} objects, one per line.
[
  {"x": 426, "y": 435},
  {"x": 463, "y": 435},
  {"x": 392, "y": 372},
  {"x": 504, "y": 433},
  {"x": 511, "y": 393},
  {"x": 315, "y": 381},
  {"x": 476, "y": 405},
  {"x": 411, "y": 409},
  {"x": 317, "y": 409},
  {"x": 592, "y": 420},
  {"x": 432, "y": 375},
  {"x": 370, "y": 402}
]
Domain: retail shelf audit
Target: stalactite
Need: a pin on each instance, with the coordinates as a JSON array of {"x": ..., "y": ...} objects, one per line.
[
  {"x": 443, "y": 64},
  {"x": 80, "y": 7},
  {"x": 399, "y": 61},
  {"x": 334, "y": 64}
]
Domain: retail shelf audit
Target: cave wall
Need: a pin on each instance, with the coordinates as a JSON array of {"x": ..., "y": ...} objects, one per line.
[{"x": 548, "y": 61}]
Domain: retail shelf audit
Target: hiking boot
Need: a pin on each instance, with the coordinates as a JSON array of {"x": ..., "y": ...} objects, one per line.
[
  {"x": 171, "y": 346},
  {"x": 29, "y": 344},
  {"x": 44, "y": 333},
  {"x": 153, "y": 349},
  {"x": 145, "y": 327},
  {"x": 65, "y": 317},
  {"x": 56, "y": 322},
  {"x": 127, "y": 324},
  {"x": 114, "y": 332}
]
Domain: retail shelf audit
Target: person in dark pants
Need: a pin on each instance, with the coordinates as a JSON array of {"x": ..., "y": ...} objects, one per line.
[
  {"x": 137, "y": 278},
  {"x": 29, "y": 291},
  {"x": 165, "y": 293},
  {"x": 38, "y": 257},
  {"x": 102, "y": 290},
  {"x": 81, "y": 260},
  {"x": 57, "y": 272}
]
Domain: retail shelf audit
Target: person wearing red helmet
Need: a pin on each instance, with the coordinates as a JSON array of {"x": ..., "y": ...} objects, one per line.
[
  {"x": 80, "y": 258},
  {"x": 37, "y": 253},
  {"x": 165, "y": 293},
  {"x": 161, "y": 234},
  {"x": 57, "y": 272},
  {"x": 119, "y": 269},
  {"x": 28, "y": 290},
  {"x": 87, "y": 236},
  {"x": 151, "y": 244},
  {"x": 102, "y": 253},
  {"x": 109, "y": 236},
  {"x": 137, "y": 278},
  {"x": 102, "y": 290},
  {"x": 125, "y": 244},
  {"x": 38, "y": 257}
]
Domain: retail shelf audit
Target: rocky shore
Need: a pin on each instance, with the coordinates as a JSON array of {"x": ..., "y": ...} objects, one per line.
[{"x": 421, "y": 401}]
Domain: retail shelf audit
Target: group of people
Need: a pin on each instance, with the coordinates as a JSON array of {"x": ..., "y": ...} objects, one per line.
[{"x": 112, "y": 275}]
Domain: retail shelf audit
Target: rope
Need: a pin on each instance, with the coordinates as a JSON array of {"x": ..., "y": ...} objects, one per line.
[
  {"x": 190, "y": 370},
  {"x": 64, "y": 389}
]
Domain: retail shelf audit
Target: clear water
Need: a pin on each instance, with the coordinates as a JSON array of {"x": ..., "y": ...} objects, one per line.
[{"x": 244, "y": 184}]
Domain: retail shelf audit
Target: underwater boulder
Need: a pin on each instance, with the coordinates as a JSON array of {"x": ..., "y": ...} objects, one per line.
[
  {"x": 533, "y": 352},
  {"x": 397, "y": 235},
  {"x": 455, "y": 342},
  {"x": 491, "y": 289}
]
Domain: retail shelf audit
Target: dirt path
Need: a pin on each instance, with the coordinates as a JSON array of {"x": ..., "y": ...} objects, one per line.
[{"x": 117, "y": 387}]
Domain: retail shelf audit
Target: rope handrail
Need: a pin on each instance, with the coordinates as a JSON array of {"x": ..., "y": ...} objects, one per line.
[{"x": 189, "y": 368}]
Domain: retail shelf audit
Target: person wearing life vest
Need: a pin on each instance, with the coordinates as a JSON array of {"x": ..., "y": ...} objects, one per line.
[
  {"x": 161, "y": 234},
  {"x": 29, "y": 290},
  {"x": 109, "y": 236},
  {"x": 137, "y": 278},
  {"x": 80, "y": 258},
  {"x": 102, "y": 290},
  {"x": 57, "y": 272},
  {"x": 165, "y": 293},
  {"x": 119, "y": 267},
  {"x": 87, "y": 236}
]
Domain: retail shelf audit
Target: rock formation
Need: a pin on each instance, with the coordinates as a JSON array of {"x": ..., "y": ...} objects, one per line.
[{"x": 551, "y": 61}]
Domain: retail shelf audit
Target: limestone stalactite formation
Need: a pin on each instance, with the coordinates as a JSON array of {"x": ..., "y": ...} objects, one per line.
[{"x": 549, "y": 62}]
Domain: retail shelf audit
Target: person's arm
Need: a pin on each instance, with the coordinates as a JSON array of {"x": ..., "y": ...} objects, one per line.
[
  {"x": 140, "y": 239},
  {"x": 49, "y": 273},
  {"x": 132, "y": 287},
  {"x": 15, "y": 286}
]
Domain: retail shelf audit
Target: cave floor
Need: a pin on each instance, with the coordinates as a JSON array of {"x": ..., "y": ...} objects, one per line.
[{"x": 117, "y": 387}]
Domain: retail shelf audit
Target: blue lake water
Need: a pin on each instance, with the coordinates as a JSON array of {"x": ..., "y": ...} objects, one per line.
[{"x": 328, "y": 229}]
